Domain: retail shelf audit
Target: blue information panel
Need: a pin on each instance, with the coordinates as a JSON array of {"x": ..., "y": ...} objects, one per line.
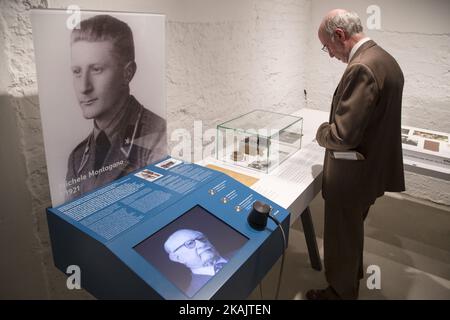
[{"x": 172, "y": 230}]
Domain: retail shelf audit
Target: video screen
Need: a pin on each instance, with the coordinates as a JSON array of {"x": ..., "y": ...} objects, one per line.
[{"x": 192, "y": 249}]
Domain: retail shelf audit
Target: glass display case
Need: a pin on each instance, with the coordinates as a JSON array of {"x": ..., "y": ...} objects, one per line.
[{"x": 259, "y": 140}]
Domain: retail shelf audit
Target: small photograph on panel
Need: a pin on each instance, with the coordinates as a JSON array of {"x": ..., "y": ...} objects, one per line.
[
  {"x": 148, "y": 175},
  {"x": 168, "y": 164}
]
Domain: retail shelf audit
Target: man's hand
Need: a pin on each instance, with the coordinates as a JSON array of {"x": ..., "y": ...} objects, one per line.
[{"x": 324, "y": 127}]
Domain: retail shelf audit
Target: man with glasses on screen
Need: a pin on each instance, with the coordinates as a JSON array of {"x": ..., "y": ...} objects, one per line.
[{"x": 193, "y": 249}]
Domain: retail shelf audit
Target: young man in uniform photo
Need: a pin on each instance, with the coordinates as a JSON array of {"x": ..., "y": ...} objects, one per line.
[{"x": 126, "y": 136}]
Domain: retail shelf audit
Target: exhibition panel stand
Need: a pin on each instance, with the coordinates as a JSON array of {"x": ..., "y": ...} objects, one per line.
[{"x": 171, "y": 230}]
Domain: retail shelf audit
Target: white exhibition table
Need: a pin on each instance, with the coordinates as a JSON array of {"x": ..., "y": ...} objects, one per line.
[
  {"x": 298, "y": 180},
  {"x": 426, "y": 168}
]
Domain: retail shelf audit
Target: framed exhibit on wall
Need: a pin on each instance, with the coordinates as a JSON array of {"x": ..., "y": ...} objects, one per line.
[{"x": 101, "y": 82}]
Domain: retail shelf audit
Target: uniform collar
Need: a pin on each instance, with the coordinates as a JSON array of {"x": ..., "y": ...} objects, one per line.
[
  {"x": 124, "y": 132},
  {"x": 111, "y": 129},
  {"x": 209, "y": 270}
]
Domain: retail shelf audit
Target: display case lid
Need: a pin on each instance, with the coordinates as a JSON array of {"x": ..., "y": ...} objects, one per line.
[{"x": 262, "y": 123}]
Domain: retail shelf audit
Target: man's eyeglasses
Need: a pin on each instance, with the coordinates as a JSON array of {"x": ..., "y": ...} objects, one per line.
[
  {"x": 325, "y": 48},
  {"x": 190, "y": 244}
]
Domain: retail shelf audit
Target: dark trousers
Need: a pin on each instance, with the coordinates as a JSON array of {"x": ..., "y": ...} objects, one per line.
[{"x": 343, "y": 247}]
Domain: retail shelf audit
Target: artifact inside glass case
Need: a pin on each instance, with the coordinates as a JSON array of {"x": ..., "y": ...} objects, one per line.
[{"x": 259, "y": 140}]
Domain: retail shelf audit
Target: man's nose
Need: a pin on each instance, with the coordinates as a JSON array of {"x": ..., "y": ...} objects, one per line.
[
  {"x": 330, "y": 53},
  {"x": 86, "y": 83},
  {"x": 199, "y": 244}
]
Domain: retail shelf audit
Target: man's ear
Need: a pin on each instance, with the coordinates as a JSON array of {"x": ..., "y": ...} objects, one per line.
[
  {"x": 339, "y": 34},
  {"x": 128, "y": 71}
]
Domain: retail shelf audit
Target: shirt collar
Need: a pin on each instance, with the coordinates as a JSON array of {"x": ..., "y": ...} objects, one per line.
[
  {"x": 356, "y": 47},
  {"x": 209, "y": 270},
  {"x": 111, "y": 129}
]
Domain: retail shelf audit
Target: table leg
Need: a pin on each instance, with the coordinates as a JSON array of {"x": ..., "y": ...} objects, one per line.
[{"x": 310, "y": 236}]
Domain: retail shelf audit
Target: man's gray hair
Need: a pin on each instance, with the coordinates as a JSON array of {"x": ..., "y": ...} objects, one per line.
[{"x": 347, "y": 21}]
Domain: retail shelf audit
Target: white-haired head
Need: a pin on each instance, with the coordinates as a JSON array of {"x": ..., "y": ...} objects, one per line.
[
  {"x": 342, "y": 19},
  {"x": 339, "y": 31}
]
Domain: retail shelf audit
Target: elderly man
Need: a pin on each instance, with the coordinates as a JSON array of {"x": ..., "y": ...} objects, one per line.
[
  {"x": 193, "y": 249},
  {"x": 363, "y": 156},
  {"x": 125, "y": 136}
]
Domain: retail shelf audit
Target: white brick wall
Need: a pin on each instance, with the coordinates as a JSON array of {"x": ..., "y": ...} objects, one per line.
[{"x": 229, "y": 68}]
